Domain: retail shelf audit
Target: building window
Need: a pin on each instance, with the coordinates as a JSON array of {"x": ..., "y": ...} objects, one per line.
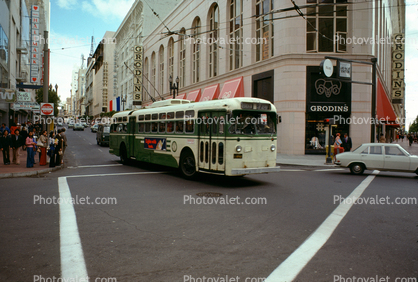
[
  {"x": 213, "y": 38},
  {"x": 182, "y": 58},
  {"x": 161, "y": 70},
  {"x": 235, "y": 33},
  {"x": 170, "y": 48},
  {"x": 153, "y": 71},
  {"x": 264, "y": 29},
  {"x": 196, "y": 50},
  {"x": 325, "y": 23}
]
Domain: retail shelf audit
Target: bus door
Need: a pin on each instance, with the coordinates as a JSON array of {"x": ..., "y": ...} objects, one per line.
[
  {"x": 212, "y": 140},
  {"x": 131, "y": 137}
]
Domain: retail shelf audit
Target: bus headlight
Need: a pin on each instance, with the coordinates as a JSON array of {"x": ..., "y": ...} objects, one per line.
[
  {"x": 238, "y": 148},
  {"x": 273, "y": 148}
]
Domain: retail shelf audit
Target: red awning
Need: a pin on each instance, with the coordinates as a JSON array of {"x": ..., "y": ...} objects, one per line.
[
  {"x": 210, "y": 93},
  {"x": 384, "y": 109},
  {"x": 194, "y": 95},
  {"x": 181, "y": 96},
  {"x": 232, "y": 88}
]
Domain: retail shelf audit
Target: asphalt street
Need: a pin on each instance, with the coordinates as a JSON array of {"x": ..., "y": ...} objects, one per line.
[{"x": 146, "y": 223}]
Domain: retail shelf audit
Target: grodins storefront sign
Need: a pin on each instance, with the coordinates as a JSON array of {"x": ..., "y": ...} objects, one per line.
[{"x": 326, "y": 96}]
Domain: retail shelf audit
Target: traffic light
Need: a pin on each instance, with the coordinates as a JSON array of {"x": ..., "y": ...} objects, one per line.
[{"x": 329, "y": 121}]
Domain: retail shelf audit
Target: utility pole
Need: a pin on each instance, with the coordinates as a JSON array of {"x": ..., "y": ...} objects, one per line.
[{"x": 46, "y": 74}]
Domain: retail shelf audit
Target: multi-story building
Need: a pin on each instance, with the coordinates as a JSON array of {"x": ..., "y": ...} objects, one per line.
[
  {"x": 100, "y": 75},
  {"x": 266, "y": 49},
  {"x": 20, "y": 58},
  {"x": 139, "y": 21},
  {"x": 81, "y": 92}
]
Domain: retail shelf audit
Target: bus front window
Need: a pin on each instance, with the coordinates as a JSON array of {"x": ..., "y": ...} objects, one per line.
[{"x": 252, "y": 123}]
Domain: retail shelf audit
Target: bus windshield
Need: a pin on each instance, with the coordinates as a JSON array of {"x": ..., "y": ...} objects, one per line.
[{"x": 252, "y": 123}]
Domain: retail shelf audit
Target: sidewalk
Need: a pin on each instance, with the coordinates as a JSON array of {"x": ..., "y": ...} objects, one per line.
[
  {"x": 13, "y": 170},
  {"x": 319, "y": 160}
]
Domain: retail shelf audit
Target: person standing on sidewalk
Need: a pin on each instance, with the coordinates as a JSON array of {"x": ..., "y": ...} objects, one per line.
[
  {"x": 64, "y": 138},
  {"x": 410, "y": 139},
  {"x": 30, "y": 149},
  {"x": 58, "y": 148},
  {"x": 43, "y": 144},
  {"x": 347, "y": 144},
  {"x": 5, "y": 144},
  {"x": 52, "y": 143},
  {"x": 17, "y": 142}
]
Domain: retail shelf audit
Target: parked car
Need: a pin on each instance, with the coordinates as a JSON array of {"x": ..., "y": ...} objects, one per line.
[
  {"x": 102, "y": 135},
  {"x": 380, "y": 156},
  {"x": 84, "y": 124},
  {"x": 94, "y": 128},
  {"x": 78, "y": 126},
  {"x": 71, "y": 124}
]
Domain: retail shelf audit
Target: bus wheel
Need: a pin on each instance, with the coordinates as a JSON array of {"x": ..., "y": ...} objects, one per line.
[
  {"x": 187, "y": 165},
  {"x": 123, "y": 157}
]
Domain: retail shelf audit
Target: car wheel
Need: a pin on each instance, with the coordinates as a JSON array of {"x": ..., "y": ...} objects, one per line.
[
  {"x": 188, "y": 165},
  {"x": 357, "y": 168}
]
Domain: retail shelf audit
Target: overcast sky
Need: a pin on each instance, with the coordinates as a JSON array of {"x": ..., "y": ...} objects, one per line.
[{"x": 73, "y": 22}]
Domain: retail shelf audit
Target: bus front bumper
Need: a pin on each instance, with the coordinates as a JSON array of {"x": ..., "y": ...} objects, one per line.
[{"x": 242, "y": 171}]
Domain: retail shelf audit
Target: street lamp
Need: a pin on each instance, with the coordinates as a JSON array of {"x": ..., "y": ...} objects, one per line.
[
  {"x": 174, "y": 86},
  {"x": 123, "y": 103}
]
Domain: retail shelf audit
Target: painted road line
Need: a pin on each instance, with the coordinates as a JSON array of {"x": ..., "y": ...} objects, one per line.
[
  {"x": 84, "y": 166},
  {"x": 73, "y": 265},
  {"x": 329, "y": 169},
  {"x": 100, "y": 150},
  {"x": 117, "y": 174},
  {"x": 293, "y": 265},
  {"x": 292, "y": 170}
]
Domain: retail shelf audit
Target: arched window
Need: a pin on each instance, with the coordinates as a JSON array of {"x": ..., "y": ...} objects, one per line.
[
  {"x": 182, "y": 58},
  {"x": 264, "y": 29},
  {"x": 196, "y": 50},
  {"x": 213, "y": 40},
  {"x": 170, "y": 54},
  {"x": 145, "y": 80},
  {"x": 235, "y": 33},
  {"x": 161, "y": 70},
  {"x": 153, "y": 72}
]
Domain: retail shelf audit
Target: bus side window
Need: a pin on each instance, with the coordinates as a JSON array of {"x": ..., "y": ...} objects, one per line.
[
  {"x": 147, "y": 127},
  {"x": 170, "y": 126},
  {"x": 140, "y": 127},
  {"x": 179, "y": 126},
  {"x": 161, "y": 127},
  {"x": 221, "y": 125},
  {"x": 125, "y": 128},
  {"x": 154, "y": 127},
  {"x": 190, "y": 126}
]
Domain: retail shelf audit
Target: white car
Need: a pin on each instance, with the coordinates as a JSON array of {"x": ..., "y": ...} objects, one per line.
[{"x": 380, "y": 156}]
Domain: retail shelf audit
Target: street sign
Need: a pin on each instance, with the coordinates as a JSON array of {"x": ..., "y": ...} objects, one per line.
[
  {"x": 344, "y": 69},
  {"x": 23, "y": 96},
  {"x": 47, "y": 109},
  {"x": 25, "y": 106}
]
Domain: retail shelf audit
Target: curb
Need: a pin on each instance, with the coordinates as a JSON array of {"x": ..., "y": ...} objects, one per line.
[
  {"x": 310, "y": 165},
  {"x": 30, "y": 173}
]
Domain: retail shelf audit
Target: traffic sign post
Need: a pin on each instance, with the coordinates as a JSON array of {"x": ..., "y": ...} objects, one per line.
[{"x": 47, "y": 109}]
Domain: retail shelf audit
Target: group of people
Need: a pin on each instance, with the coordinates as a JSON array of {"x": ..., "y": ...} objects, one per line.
[
  {"x": 34, "y": 140},
  {"x": 344, "y": 142}
]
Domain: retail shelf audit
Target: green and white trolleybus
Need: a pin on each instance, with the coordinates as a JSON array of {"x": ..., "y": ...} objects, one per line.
[{"x": 235, "y": 136}]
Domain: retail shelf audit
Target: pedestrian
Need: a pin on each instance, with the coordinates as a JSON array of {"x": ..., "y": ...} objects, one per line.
[
  {"x": 410, "y": 139},
  {"x": 42, "y": 144},
  {"x": 51, "y": 153},
  {"x": 64, "y": 137},
  {"x": 347, "y": 144},
  {"x": 30, "y": 149},
  {"x": 58, "y": 148},
  {"x": 24, "y": 131},
  {"x": 5, "y": 144},
  {"x": 382, "y": 138},
  {"x": 402, "y": 136},
  {"x": 17, "y": 143},
  {"x": 3, "y": 128}
]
